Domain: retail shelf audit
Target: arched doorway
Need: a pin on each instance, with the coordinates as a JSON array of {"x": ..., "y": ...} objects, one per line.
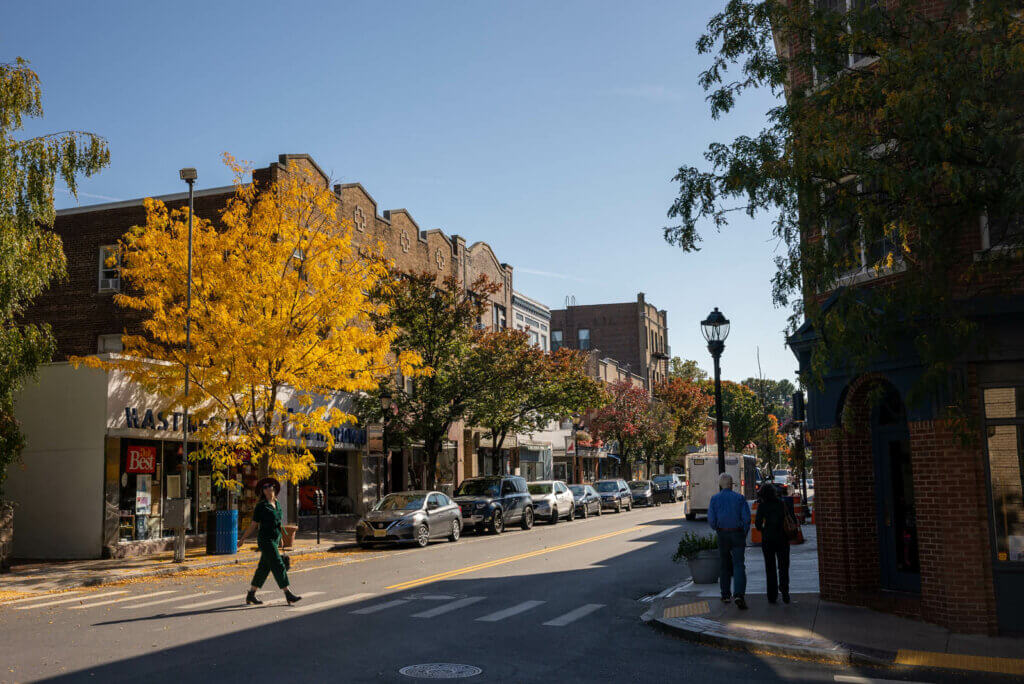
[{"x": 894, "y": 495}]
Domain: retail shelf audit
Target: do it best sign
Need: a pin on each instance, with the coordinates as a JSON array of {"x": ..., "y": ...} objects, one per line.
[{"x": 141, "y": 459}]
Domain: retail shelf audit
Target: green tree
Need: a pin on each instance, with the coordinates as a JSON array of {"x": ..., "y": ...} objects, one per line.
[
  {"x": 31, "y": 254},
  {"x": 743, "y": 411},
  {"x": 658, "y": 439},
  {"x": 689, "y": 405},
  {"x": 624, "y": 419},
  {"x": 881, "y": 168},
  {"x": 686, "y": 369},
  {"x": 524, "y": 388},
  {"x": 774, "y": 394}
]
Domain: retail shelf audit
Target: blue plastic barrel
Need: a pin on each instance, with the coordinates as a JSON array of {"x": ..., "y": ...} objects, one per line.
[{"x": 227, "y": 532}]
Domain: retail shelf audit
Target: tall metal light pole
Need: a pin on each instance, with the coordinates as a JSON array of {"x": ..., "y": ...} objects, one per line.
[
  {"x": 715, "y": 329},
  {"x": 385, "y": 407},
  {"x": 188, "y": 175}
]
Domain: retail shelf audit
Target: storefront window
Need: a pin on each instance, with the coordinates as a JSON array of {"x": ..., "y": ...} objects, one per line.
[
  {"x": 331, "y": 476},
  {"x": 1004, "y": 416}
]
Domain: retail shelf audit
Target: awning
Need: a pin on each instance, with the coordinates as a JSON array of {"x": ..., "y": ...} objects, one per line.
[{"x": 614, "y": 456}]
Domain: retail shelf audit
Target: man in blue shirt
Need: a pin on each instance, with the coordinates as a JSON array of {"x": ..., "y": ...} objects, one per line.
[{"x": 729, "y": 516}]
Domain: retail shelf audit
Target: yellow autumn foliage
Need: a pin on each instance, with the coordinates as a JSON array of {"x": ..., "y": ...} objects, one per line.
[{"x": 281, "y": 319}]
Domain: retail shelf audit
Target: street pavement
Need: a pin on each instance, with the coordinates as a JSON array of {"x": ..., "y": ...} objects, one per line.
[{"x": 559, "y": 603}]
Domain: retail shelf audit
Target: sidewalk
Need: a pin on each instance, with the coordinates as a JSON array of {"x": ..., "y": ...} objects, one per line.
[
  {"x": 810, "y": 628},
  {"x": 42, "y": 577}
]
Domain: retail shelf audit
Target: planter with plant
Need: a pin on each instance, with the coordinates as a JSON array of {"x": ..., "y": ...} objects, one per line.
[{"x": 701, "y": 554}]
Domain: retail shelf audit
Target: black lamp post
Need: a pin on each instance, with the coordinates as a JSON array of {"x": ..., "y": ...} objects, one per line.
[
  {"x": 188, "y": 175},
  {"x": 715, "y": 329},
  {"x": 385, "y": 409}
]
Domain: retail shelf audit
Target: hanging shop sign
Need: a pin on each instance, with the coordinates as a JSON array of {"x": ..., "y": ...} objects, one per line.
[{"x": 141, "y": 459}]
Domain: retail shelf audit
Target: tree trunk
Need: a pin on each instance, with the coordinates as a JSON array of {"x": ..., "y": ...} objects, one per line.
[{"x": 433, "y": 449}]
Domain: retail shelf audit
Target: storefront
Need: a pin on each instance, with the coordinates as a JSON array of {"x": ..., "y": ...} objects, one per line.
[{"x": 535, "y": 461}]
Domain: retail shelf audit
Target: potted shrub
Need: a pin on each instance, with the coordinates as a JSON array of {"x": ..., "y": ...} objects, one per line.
[{"x": 701, "y": 554}]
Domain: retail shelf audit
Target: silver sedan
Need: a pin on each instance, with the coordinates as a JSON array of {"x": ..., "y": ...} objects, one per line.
[{"x": 415, "y": 516}]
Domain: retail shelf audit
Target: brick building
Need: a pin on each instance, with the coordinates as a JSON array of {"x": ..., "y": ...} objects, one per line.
[
  {"x": 633, "y": 333},
  {"x": 912, "y": 517}
]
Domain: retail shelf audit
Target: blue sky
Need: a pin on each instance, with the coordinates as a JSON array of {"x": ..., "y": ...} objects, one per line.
[{"x": 550, "y": 130}]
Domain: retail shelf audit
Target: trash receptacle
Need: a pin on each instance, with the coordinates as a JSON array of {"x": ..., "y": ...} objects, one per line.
[
  {"x": 211, "y": 532},
  {"x": 227, "y": 532}
]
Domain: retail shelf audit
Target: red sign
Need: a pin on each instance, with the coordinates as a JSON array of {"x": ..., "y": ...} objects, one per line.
[{"x": 141, "y": 459}]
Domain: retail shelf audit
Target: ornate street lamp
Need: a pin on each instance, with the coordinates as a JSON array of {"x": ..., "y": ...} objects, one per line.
[
  {"x": 188, "y": 175},
  {"x": 715, "y": 329},
  {"x": 385, "y": 459}
]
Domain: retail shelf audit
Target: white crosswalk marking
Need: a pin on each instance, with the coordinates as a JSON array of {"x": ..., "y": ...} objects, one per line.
[
  {"x": 448, "y": 607},
  {"x": 168, "y": 600},
  {"x": 574, "y": 615},
  {"x": 380, "y": 606},
  {"x": 323, "y": 605},
  {"x": 40, "y": 597},
  {"x": 69, "y": 600},
  {"x": 121, "y": 600},
  {"x": 509, "y": 612}
]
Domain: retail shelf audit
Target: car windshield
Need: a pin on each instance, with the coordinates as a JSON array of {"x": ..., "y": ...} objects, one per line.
[
  {"x": 540, "y": 487},
  {"x": 663, "y": 478},
  {"x": 478, "y": 488},
  {"x": 607, "y": 486},
  {"x": 638, "y": 484},
  {"x": 780, "y": 473},
  {"x": 580, "y": 490},
  {"x": 401, "y": 502}
]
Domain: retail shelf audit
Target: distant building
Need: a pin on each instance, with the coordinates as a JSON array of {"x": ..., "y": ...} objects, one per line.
[{"x": 533, "y": 317}]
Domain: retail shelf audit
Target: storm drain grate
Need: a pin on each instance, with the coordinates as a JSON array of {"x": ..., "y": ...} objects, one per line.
[{"x": 440, "y": 671}]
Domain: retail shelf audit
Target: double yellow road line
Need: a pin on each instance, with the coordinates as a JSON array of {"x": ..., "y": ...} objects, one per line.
[{"x": 501, "y": 561}]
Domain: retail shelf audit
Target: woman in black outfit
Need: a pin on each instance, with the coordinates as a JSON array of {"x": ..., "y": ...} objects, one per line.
[{"x": 771, "y": 514}]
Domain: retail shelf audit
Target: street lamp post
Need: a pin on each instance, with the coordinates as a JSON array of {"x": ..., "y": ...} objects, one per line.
[
  {"x": 385, "y": 409},
  {"x": 188, "y": 175},
  {"x": 715, "y": 329}
]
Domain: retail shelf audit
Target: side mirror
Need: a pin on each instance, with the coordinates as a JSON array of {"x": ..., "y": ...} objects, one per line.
[{"x": 432, "y": 505}]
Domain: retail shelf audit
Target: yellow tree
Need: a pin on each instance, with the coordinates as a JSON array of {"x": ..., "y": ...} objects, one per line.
[{"x": 281, "y": 321}]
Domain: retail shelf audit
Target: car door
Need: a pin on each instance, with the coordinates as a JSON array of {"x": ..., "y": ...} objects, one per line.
[
  {"x": 436, "y": 516},
  {"x": 592, "y": 499},
  {"x": 624, "y": 494},
  {"x": 510, "y": 501},
  {"x": 450, "y": 513},
  {"x": 563, "y": 496}
]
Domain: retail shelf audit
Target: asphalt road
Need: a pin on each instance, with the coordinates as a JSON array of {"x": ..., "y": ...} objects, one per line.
[{"x": 556, "y": 604}]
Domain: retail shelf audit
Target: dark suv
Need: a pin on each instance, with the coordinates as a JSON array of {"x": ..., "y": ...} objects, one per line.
[
  {"x": 668, "y": 488},
  {"x": 615, "y": 495},
  {"x": 494, "y": 502}
]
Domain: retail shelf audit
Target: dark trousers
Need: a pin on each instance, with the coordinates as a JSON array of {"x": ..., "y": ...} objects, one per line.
[
  {"x": 776, "y": 567},
  {"x": 270, "y": 562},
  {"x": 731, "y": 546}
]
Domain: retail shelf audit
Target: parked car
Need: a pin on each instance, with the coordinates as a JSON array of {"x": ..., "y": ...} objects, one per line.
[
  {"x": 414, "y": 516},
  {"x": 614, "y": 495},
  {"x": 586, "y": 499},
  {"x": 668, "y": 488},
  {"x": 495, "y": 501},
  {"x": 642, "y": 492},
  {"x": 552, "y": 500}
]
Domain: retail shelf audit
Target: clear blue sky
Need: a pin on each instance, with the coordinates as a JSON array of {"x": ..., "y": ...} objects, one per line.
[{"x": 550, "y": 130}]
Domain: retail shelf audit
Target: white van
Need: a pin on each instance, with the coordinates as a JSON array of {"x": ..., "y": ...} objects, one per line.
[{"x": 702, "y": 479}]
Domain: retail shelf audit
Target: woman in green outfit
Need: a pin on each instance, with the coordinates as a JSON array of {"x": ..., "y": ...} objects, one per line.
[{"x": 267, "y": 517}]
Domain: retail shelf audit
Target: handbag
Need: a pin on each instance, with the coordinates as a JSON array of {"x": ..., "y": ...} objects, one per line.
[
  {"x": 287, "y": 560},
  {"x": 790, "y": 527}
]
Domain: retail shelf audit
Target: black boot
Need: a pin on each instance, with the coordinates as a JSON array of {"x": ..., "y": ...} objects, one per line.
[
  {"x": 251, "y": 600},
  {"x": 291, "y": 598}
]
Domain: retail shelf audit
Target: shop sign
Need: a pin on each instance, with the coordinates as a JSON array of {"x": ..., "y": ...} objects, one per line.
[
  {"x": 205, "y": 494},
  {"x": 143, "y": 495},
  {"x": 141, "y": 459}
]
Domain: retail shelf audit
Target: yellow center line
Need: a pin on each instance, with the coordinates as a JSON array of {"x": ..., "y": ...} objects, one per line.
[{"x": 501, "y": 561}]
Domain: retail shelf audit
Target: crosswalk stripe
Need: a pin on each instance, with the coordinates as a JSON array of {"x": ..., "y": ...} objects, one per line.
[
  {"x": 40, "y": 597},
  {"x": 121, "y": 600},
  {"x": 448, "y": 607},
  {"x": 509, "y": 612},
  {"x": 380, "y": 606},
  {"x": 69, "y": 600},
  {"x": 574, "y": 615},
  {"x": 323, "y": 605},
  {"x": 168, "y": 600}
]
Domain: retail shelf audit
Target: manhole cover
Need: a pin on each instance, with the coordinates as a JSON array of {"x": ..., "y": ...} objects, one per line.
[{"x": 440, "y": 671}]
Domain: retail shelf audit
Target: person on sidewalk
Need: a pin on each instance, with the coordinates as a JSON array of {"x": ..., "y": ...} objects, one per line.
[
  {"x": 729, "y": 517},
  {"x": 770, "y": 521},
  {"x": 267, "y": 516}
]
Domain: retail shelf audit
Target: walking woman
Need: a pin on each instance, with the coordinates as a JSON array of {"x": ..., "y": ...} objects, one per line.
[
  {"x": 267, "y": 517},
  {"x": 770, "y": 521}
]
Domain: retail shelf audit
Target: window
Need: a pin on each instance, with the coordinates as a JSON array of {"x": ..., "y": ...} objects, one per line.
[
  {"x": 532, "y": 322},
  {"x": 1002, "y": 232},
  {"x": 498, "y": 321},
  {"x": 543, "y": 327},
  {"x": 109, "y": 269},
  {"x": 1004, "y": 421},
  {"x": 519, "y": 316},
  {"x": 544, "y": 342},
  {"x": 109, "y": 343},
  {"x": 556, "y": 340},
  {"x": 851, "y": 16},
  {"x": 584, "y": 338}
]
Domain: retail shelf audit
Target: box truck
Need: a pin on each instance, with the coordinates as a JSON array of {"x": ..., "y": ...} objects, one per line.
[{"x": 702, "y": 479}]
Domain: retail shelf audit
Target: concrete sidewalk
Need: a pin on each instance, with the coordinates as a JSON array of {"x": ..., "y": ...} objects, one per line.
[
  {"x": 811, "y": 628},
  {"x": 43, "y": 577}
]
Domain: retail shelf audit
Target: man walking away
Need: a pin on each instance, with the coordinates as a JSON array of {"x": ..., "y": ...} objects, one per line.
[{"x": 729, "y": 516}]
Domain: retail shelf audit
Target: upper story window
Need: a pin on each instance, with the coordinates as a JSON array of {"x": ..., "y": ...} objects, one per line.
[
  {"x": 499, "y": 321},
  {"x": 1002, "y": 232},
  {"x": 109, "y": 269},
  {"x": 556, "y": 340},
  {"x": 846, "y": 13},
  {"x": 583, "y": 336},
  {"x": 544, "y": 342},
  {"x": 109, "y": 343}
]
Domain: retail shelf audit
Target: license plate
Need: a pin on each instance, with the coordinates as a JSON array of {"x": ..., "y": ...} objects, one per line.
[{"x": 380, "y": 533}]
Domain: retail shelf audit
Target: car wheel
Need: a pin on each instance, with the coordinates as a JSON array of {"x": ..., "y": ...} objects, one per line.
[
  {"x": 456, "y": 532},
  {"x": 586, "y": 512},
  {"x": 618, "y": 506},
  {"x": 364, "y": 545},
  {"x": 691, "y": 516},
  {"x": 629, "y": 505},
  {"x": 554, "y": 516},
  {"x": 527, "y": 521},
  {"x": 600, "y": 510},
  {"x": 497, "y": 523},
  {"x": 422, "y": 536},
  {"x": 572, "y": 513}
]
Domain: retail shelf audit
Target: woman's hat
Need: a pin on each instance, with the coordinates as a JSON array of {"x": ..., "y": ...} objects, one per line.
[{"x": 268, "y": 480}]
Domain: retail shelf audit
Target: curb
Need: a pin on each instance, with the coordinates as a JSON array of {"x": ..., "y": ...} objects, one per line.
[
  {"x": 714, "y": 633},
  {"x": 185, "y": 567}
]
